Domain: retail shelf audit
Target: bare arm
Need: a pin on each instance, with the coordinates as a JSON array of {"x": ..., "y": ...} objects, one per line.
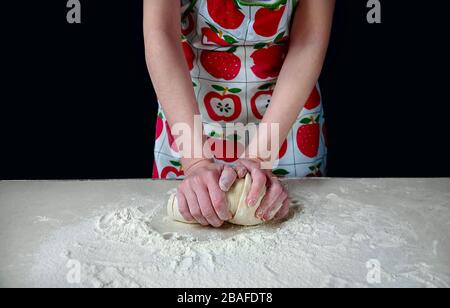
[
  {"x": 167, "y": 65},
  {"x": 199, "y": 196},
  {"x": 309, "y": 42}
]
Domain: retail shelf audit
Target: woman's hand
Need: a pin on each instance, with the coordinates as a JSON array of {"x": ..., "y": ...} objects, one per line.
[
  {"x": 275, "y": 203},
  {"x": 200, "y": 197}
]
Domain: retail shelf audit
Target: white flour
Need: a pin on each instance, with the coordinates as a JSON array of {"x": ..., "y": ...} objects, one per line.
[{"x": 326, "y": 241}]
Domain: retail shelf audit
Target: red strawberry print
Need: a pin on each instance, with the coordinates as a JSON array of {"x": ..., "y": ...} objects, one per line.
[
  {"x": 226, "y": 13},
  {"x": 224, "y": 105},
  {"x": 188, "y": 54},
  {"x": 212, "y": 36},
  {"x": 171, "y": 139},
  {"x": 261, "y": 100},
  {"x": 155, "y": 174},
  {"x": 313, "y": 100},
  {"x": 315, "y": 171},
  {"x": 269, "y": 58},
  {"x": 283, "y": 149},
  {"x": 221, "y": 64},
  {"x": 159, "y": 126},
  {"x": 175, "y": 170},
  {"x": 308, "y": 136},
  {"x": 267, "y": 20}
]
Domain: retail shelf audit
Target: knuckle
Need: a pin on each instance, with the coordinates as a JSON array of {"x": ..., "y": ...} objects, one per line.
[
  {"x": 218, "y": 224},
  {"x": 196, "y": 180},
  {"x": 196, "y": 213},
  {"x": 260, "y": 178},
  {"x": 209, "y": 215},
  {"x": 184, "y": 211},
  {"x": 203, "y": 222},
  {"x": 218, "y": 200},
  {"x": 186, "y": 216},
  {"x": 212, "y": 175},
  {"x": 187, "y": 185},
  {"x": 258, "y": 172},
  {"x": 277, "y": 188}
]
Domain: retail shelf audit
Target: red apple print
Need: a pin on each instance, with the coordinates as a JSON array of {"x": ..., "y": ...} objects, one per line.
[
  {"x": 221, "y": 64},
  {"x": 261, "y": 100},
  {"x": 159, "y": 126},
  {"x": 313, "y": 100},
  {"x": 155, "y": 174},
  {"x": 213, "y": 36},
  {"x": 175, "y": 170},
  {"x": 225, "y": 13},
  {"x": 188, "y": 54},
  {"x": 171, "y": 139},
  {"x": 223, "y": 106},
  {"x": 308, "y": 136},
  {"x": 267, "y": 20},
  {"x": 227, "y": 150},
  {"x": 269, "y": 58},
  {"x": 283, "y": 149},
  {"x": 315, "y": 171}
]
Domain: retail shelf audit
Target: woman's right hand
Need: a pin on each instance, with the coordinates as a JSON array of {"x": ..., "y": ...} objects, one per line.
[{"x": 201, "y": 196}]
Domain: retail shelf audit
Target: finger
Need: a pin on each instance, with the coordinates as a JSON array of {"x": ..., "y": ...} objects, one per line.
[
  {"x": 207, "y": 208},
  {"x": 227, "y": 178},
  {"x": 284, "y": 210},
  {"x": 241, "y": 170},
  {"x": 273, "y": 210},
  {"x": 272, "y": 201},
  {"x": 183, "y": 207},
  {"x": 219, "y": 201},
  {"x": 259, "y": 180},
  {"x": 194, "y": 208}
]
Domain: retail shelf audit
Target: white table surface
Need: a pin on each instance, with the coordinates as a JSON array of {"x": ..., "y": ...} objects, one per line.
[{"x": 31, "y": 211}]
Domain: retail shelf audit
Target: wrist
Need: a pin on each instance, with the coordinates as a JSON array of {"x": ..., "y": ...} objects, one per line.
[
  {"x": 264, "y": 164},
  {"x": 190, "y": 165}
]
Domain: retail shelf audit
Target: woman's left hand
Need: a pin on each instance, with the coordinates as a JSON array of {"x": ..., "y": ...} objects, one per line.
[{"x": 275, "y": 203}]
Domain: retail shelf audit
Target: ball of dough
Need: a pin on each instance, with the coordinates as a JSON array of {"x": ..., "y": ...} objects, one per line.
[{"x": 242, "y": 213}]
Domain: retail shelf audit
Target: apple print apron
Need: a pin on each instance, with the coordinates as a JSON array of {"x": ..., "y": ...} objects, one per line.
[{"x": 235, "y": 50}]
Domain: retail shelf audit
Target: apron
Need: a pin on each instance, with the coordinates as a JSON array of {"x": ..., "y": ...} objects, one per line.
[{"x": 235, "y": 50}]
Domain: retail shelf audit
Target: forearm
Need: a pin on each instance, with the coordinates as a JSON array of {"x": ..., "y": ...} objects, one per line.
[
  {"x": 173, "y": 85},
  {"x": 170, "y": 73},
  {"x": 298, "y": 77},
  {"x": 170, "y": 77},
  {"x": 301, "y": 69}
]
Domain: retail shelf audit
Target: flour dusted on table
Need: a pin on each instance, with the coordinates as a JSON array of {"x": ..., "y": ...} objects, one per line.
[{"x": 316, "y": 246}]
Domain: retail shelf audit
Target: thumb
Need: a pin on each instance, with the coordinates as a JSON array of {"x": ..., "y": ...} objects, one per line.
[{"x": 227, "y": 178}]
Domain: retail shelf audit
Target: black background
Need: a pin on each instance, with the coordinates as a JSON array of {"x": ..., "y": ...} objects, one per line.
[{"x": 77, "y": 102}]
